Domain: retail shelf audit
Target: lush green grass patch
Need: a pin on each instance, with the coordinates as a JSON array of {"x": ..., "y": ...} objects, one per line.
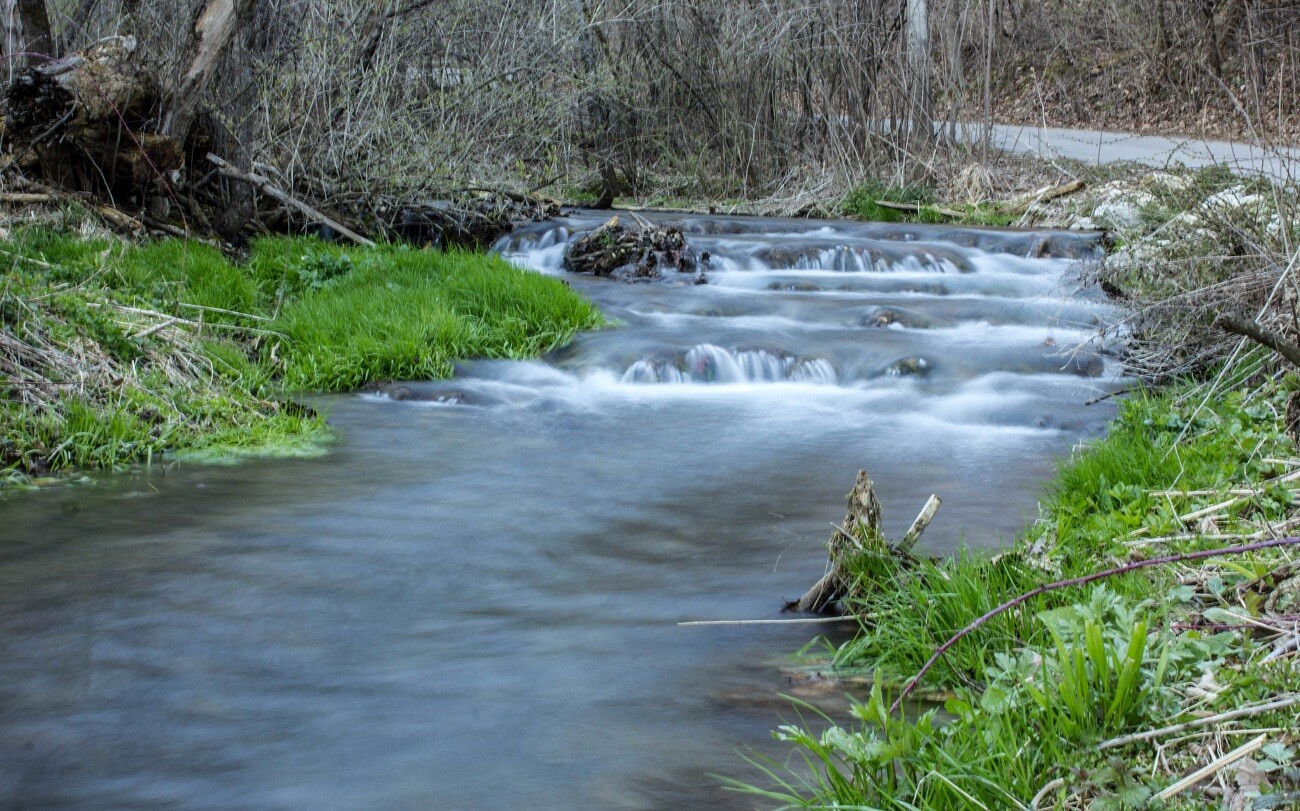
[
  {"x": 403, "y": 314},
  {"x": 116, "y": 353}
]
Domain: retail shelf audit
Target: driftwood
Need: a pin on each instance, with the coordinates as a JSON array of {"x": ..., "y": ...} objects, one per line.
[
  {"x": 1041, "y": 196},
  {"x": 269, "y": 188},
  {"x": 917, "y": 208},
  {"x": 633, "y": 254},
  {"x": 860, "y": 532}
]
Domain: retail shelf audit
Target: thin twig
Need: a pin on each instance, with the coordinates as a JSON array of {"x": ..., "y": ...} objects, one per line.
[
  {"x": 1240, "y": 712},
  {"x": 1212, "y": 767},
  {"x": 227, "y": 312}
]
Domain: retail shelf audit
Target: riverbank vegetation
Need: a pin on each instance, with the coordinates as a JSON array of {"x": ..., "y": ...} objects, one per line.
[
  {"x": 714, "y": 101},
  {"x": 1048, "y": 700},
  {"x": 117, "y": 352},
  {"x": 1104, "y": 693}
]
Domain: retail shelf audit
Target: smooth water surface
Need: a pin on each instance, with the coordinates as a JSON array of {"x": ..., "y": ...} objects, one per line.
[{"x": 472, "y": 602}]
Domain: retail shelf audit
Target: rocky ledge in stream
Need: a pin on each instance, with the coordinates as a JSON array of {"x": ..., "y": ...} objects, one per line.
[{"x": 640, "y": 253}]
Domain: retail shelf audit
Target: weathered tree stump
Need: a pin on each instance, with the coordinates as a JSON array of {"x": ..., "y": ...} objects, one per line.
[
  {"x": 860, "y": 532},
  {"x": 86, "y": 119}
]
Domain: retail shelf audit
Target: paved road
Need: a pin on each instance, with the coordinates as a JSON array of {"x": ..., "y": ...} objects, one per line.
[{"x": 1098, "y": 147}]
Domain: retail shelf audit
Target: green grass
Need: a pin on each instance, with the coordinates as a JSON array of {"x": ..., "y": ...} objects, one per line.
[
  {"x": 399, "y": 315},
  {"x": 1039, "y": 687},
  {"x": 860, "y": 202},
  {"x": 297, "y": 315}
]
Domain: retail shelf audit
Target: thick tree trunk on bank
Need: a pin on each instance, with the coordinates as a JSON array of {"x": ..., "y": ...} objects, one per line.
[
  {"x": 27, "y": 38},
  {"x": 214, "y": 28}
]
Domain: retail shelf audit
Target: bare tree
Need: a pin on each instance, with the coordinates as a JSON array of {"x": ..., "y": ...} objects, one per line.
[
  {"x": 920, "y": 93},
  {"x": 27, "y": 35}
]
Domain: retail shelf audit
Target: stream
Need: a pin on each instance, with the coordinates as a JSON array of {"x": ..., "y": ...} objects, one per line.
[{"x": 472, "y": 601}]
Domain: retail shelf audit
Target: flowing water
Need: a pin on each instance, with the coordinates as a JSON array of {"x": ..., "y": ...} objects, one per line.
[{"x": 472, "y": 602}]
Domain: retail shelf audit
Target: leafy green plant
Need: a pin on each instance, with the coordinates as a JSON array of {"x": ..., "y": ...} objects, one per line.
[{"x": 319, "y": 269}]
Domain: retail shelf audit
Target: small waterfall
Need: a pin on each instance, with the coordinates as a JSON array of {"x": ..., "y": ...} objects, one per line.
[
  {"x": 707, "y": 363},
  {"x": 845, "y": 259}
]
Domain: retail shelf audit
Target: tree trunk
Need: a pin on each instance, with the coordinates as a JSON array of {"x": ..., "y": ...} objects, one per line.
[
  {"x": 214, "y": 28},
  {"x": 27, "y": 39},
  {"x": 920, "y": 102}
]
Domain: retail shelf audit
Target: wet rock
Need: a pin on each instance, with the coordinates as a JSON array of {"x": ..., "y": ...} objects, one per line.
[
  {"x": 881, "y": 317},
  {"x": 796, "y": 287},
  {"x": 909, "y": 367},
  {"x": 1066, "y": 246},
  {"x": 400, "y": 393}
]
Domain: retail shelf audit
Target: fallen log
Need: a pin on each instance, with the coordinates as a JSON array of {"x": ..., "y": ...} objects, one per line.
[
  {"x": 917, "y": 208},
  {"x": 1045, "y": 195},
  {"x": 268, "y": 188}
]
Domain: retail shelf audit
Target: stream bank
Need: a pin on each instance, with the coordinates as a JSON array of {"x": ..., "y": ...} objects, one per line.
[
  {"x": 1104, "y": 694},
  {"x": 473, "y": 599},
  {"x": 117, "y": 352}
]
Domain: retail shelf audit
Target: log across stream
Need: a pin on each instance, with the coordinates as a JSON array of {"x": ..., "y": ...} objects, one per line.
[{"x": 472, "y": 602}]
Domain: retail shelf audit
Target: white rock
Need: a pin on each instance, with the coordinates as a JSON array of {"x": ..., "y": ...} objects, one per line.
[
  {"x": 1165, "y": 182},
  {"x": 1232, "y": 199},
  {"x": 1122, "y": 210}
]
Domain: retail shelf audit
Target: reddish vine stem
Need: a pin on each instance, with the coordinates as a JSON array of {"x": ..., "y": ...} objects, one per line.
[{"x": 1080, "y": 581}]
